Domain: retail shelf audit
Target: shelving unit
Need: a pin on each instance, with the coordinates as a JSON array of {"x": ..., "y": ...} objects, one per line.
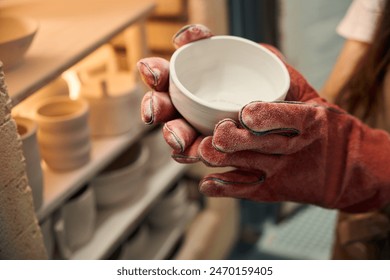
[
  {"x": 68, "y": 31},
  {"x": 115, "y": 224},
  {"x": 60, "y": 186}
]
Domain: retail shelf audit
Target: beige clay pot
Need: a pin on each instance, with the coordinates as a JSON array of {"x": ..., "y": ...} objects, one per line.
[
  {"x": 114, "y": 103},
  {"x": 63, "y": 134}
]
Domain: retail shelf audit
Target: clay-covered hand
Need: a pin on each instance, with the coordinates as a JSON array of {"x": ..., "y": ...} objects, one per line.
[
  {"x": 156, "y": 106},
  {"x": 302, "y": 149}
]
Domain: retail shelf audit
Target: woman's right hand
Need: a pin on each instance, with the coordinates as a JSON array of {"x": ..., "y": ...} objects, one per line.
[{"x": 156, "y": 106}]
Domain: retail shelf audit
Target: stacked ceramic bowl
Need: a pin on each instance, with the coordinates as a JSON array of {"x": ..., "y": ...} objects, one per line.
[
  {"x": 136, "y": 244},
  {"x": 123, "y": 178},
  {"x": 171, "y": 208}
]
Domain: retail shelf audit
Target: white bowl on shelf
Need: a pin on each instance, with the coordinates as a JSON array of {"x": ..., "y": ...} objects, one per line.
[
  {"x": 136, "y": 244},
  {"x": 171, "y": 208},
  {"x": 123, "y": 178},
  {"x": 76, "y": 222},
  {"x": 212, "y": 79},
  {"x": 16, "y": 36}
]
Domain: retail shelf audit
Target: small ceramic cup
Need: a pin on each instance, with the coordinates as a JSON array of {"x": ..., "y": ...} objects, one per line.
[
  {"x": 123, "y": 178},
  {"x": 75, "y": 224},
  {"x": 27, "y": 129},
  {"x": 214, "y": 78},
  {"x": 113, "y": 99},
  {"x": 63, "y": 134}
]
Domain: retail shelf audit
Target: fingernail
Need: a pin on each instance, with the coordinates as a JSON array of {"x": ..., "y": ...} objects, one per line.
[
  {"x": 147, "y": 109},
  {"x": 173, "y": 140},
  {"x": 149, "y": 75}
]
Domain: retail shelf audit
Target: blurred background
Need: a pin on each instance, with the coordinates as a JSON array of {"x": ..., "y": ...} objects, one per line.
[{"x": 80, "y": 51}]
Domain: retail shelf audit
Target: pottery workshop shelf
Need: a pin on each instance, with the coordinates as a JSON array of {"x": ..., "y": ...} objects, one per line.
[
  {"x": 68, "y": 31},
  {"x": 114, "y": 224},
  {"x": 61, "y": 185}
]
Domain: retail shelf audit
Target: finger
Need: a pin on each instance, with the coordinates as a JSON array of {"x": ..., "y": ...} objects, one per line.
[
  {"x": 154, "y": 72},
  {"x": 237, "y": 184},
  {"x": 190, "y": 155},
  {"x": 156, "y": 107},
  {"x": 246, "y": 160},
  {"x": 179, "y": 134},
  {"x": 257, "y": 186},
  {"x": 230, "y": 137},
  {"x": 190, "y": 33}
]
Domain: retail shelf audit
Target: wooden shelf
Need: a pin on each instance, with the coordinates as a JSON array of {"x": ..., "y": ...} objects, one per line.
[
  {"x": 115, "y": 224},
  {"x": 60, "y": 186},
  {"x": 69, "y": 30}
]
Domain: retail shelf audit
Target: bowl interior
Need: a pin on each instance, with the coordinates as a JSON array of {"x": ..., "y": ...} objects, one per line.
[
  {"x": 60, "y": 108},
  {"x": 227, "y": 72}
]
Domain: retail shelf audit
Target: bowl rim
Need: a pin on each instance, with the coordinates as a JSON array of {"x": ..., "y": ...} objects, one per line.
[
  {"x": 83, "y": 109},
  {"x": 32, "y": 23},
  {"x": 187, "y": 93}
]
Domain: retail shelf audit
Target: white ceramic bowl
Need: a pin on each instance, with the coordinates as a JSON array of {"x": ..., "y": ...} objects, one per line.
[
  {"x": 212, "y": 79},
  {"x": 16, "y": 36},
  {"x": 123, "y": 178}
]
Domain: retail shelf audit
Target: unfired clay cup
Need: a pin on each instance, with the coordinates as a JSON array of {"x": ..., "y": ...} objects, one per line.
[
  {"x": 113, "y": 99},
  {"x": 76, "y": 223},
  {"x": 214, "y": 78},
  {"x": 63, "y": 134},
  {"x": 27, "y": 129}
]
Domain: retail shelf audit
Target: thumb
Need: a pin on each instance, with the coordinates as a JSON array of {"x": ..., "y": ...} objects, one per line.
[{"x": 190, "y": 33}]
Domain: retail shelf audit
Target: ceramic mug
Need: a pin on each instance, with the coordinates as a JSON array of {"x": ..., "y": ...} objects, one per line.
[
  {"x": 113, "y": 99},
  {"x": 123, "y": 178},
  {"x": 75, "y": 224},
  {"x": 27, "y": 129},
  {"x": 63, "y": 134}
]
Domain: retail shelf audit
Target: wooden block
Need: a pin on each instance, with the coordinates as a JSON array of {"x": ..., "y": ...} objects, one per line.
[{"x": 170, "y": 8}]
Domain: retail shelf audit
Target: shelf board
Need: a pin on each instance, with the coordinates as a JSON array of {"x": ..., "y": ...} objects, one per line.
[
  {"x": 59, "y": 186},
  {"x": 68, "y": 31},
  {"x": 115, "y": 224}
]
